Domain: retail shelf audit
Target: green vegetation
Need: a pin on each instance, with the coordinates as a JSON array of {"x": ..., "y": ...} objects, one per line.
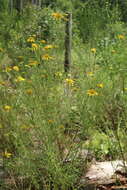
[{"x": 47, "y": 116}]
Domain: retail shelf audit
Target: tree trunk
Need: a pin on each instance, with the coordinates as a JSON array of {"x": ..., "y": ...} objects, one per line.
[
  {"x": 68, "y": 39},
  {"x": 39, "y": 3},
  {"x": 21, "y": 5},
  {"x": 11, "y": 5},
  {"x": 34, "y": 2}
]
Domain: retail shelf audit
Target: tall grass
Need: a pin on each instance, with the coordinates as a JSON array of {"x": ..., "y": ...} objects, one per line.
[{"x": 49, "y": 120}]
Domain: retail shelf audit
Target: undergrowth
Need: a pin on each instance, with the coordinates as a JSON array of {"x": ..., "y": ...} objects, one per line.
[{"x": 54, "y": 124}]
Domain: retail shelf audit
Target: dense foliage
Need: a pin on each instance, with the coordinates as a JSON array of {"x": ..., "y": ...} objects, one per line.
[{"x": 54, "y": 124}]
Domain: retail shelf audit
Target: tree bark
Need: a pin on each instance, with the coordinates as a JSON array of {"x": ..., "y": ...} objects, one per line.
[
  {"x": 21, "y": 5},
  {"x": 68, "y": 42},
  {"x": 11, "y": 5},
  {"x": 39, "y": 3}
]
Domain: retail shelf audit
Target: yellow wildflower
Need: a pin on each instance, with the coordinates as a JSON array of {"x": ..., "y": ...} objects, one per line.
[
  {"x": 33, "y": 63},
  {"x": 7, "y": 154},
  {"x": 75, "y": 89},
  {"x": 92, "y": 92},
  {"x": 20, "y": 57},
  {"x": 7, "y": 108},
  {"x": 113, "y": 51},
  {"x": 58, "y": 74},
  {"x": 15, "y": 68},
  {"x": 20, "y": 79},
  {"x": 90, "y": 74},
  {"x": 1, "y": 50},
  {"x": 47, "y": 57},
  {"x": 62, "y": 127},
  {"x": 29, "y": 91},
  {"x": 8, "y": 69},
  {"x": 120, "y": 36},
  {"x": 50, "y": 121},
  {"x": 35, "y": 46},
  {"x": 2, "y": 83},
  {"x": 57, "y": 15},
  {"x": 34, "y": 35},
  {"x": 69, "y": 81},
  {"x": 31, "y": 39},
  {"x": 93, "y": 50},
  {"x": 28, "y": 66},
  {"x": 100, "y": 85},
  {"x": 43, "y": 41},
  {"x": 48, "y": 47}
]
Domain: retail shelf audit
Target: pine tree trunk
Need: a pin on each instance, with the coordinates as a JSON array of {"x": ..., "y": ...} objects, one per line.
[
  {"x": 68, "y": 42},
  {"x": 11, "y": 5},
  {"x": 39, "y": 3},
  {"x": 32, "y": 2},
  {"x": 21, "y": 5}
]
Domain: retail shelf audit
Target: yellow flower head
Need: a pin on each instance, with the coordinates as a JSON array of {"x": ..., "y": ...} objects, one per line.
[
  {"x": 3, "y": 83},
  {"x": 69, "y": 81},
  {"x": 31, "y": 39},
  {"x": 48, "y": 47},
  {"x": 57, "y": 15},
  {"x": 34, "y": 35},
  {"x": 8, "y": 69},
  {"x": 20, "y": 58},
  {"x": 100, "y": 85},
  {"x": 92, "y": 92},
  {"x": 1, "y": 50},
  {"x": 20, "y": 79},
  {"x": 35, "y": 47},
  {"x": 7, "y": 108},
  {"x": 15, "y": 68},
  {"x": 62, "y": 127},
  {"x": 93, "y": 50},
  {"x": 43, "y": 41},
  {"x": 90, "y": 74},
  {"x": 33, "y": 63},
  {"x": 29, "y": 91},
  {"x": 120, "y": 36},
  {"x": 7, "y": 154},
  {"x": 58, "y": 74},
  {"x": 50, "y": 121},
  {"x": 47, "y": 57},
  {"x": 113, "y": 51}
]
